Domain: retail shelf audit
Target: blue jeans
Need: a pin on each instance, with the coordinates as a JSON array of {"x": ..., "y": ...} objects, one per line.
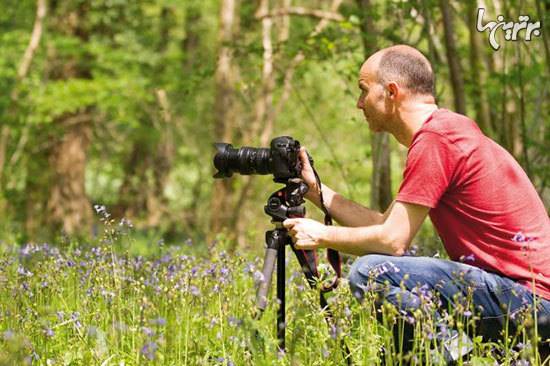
[{"x": 411, "y": 283}]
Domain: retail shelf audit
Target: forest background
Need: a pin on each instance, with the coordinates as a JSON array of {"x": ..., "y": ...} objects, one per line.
[{"x": 116, "y": 103}]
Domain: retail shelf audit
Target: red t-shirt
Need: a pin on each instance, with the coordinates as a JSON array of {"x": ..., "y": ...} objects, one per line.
[{"x": 483, "y": 205}]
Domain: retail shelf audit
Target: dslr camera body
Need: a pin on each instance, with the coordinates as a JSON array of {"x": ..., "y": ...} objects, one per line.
[{"x": 280, "y": 159}]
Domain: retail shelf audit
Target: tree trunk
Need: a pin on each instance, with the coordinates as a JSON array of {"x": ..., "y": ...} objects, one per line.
[
  {"x": 478, "y": 72},
  {"x": 453, "y": 59},
  {"x": 150, "y": 161},
  {"x": 224, "y": 114},
  {"x": 381, "y": 194},
  {"x": 67, "y": 205}
]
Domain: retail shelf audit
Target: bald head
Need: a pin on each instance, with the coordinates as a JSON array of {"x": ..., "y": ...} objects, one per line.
[{"x": 404, "y": 65}]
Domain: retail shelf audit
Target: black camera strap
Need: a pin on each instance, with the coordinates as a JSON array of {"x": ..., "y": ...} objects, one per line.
[{"x": 332, "y": 255}]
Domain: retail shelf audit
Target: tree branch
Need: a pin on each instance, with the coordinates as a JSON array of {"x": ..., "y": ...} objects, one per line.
[
  {"x": 295, "y": 10},
  {"x": 22, "y": 72}
]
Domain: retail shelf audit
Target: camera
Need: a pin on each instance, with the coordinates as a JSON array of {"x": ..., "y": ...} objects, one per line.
[{"x": 280, "y": 159}]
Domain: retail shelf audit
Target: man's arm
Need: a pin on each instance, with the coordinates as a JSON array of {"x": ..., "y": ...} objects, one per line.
[
  {"x": 347, "y": 212},
  {"x": 392, "y": 237},
  {"x": 344, "y": 211}
]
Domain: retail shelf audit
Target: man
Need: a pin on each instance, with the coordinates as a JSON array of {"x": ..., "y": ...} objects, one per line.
[{"x": 486, "y": 211}]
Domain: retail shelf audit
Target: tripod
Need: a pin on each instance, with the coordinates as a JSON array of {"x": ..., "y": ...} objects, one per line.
[
  {"x": 288, "y": 202},
  {"x": 285, "y": 203}
]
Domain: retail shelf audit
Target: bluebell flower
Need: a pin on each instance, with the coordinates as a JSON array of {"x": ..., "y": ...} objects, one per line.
[
  {"x": 149, "y": 350},
  {"x": 160, "y": 321},
  {"x": 194, "y": 291}
]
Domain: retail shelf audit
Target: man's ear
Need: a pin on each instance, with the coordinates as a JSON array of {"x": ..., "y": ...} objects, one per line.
[{"x": 392, "y": 89}]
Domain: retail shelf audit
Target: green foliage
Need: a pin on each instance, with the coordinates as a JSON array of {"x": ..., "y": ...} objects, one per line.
[
  {"x": 142, "y": 302},
  {"x": 113, "y": 57}
]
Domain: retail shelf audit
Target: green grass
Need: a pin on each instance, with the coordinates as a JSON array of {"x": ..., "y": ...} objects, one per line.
[{"x": 120, "y": 302}]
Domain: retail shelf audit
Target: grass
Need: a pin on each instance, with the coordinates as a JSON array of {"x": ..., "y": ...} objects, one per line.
[{"x": 103, "y": 304}]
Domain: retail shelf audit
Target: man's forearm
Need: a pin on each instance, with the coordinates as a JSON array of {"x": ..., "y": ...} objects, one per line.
[
  {"x": 361, "y": 240},
  {"x": 347, "y": 212}
]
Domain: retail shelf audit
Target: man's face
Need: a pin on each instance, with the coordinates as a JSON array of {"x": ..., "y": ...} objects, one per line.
[{"x": 372, "y": 100}]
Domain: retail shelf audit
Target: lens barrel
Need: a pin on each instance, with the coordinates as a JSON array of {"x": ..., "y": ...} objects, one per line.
[{"x": 246, "y": 160}]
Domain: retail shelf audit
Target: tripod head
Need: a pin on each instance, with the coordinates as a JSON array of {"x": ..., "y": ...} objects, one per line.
[{"x": 287, "y": 202}]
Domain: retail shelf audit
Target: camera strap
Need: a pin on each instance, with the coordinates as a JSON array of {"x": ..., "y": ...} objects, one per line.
[{"x": 332, "y": 255}]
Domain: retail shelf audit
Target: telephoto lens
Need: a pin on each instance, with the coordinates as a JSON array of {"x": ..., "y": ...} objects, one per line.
[
  {"x": 280, "y": 159},
  {"x": 246, "y": 160}
]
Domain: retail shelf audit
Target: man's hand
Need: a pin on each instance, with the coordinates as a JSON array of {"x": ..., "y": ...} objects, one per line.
[
  {"x": 306, "y": 233},
  {"x": 308, "y": 176}
]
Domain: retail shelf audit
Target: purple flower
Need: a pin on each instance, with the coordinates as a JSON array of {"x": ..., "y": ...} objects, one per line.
[
  {"x": 23, "y": 272},
  {"x": 249, "y": 268},
  {"x": 258, "y": 277},
  {"x": 160, "y": 321},
  {"x": 467, "y": 258},
  {"x": 233, "y": 321},
  {"x": 334, "y": 331},
  {"x": 194, "y": 291},
  {"x": 149, "y": 350},
  {"x": 518, "y": 237},
  {"x": 148, "y": 332},
  {"x": 8, "y": 335},
  {"x": 467, "y": 313},
  {"x": 49, "y": 332}
]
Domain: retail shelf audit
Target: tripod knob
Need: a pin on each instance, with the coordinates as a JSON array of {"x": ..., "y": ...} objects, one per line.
[{"x": 298, "y": 211}]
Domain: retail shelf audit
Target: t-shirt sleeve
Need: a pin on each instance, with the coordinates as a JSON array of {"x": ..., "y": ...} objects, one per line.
[{"x": 429, "y": 170}]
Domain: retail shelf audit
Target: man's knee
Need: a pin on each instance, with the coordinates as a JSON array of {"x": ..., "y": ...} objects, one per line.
[{"x": 361, "y": 270}]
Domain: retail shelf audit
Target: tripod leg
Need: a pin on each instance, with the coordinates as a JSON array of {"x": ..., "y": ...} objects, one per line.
[
  {"x": 265, "y": 284},
  {"x": 281, "y": 297}
]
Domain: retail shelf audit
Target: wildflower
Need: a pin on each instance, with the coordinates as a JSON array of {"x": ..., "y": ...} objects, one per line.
[
  {"x": 467, "y": 313},
  {"x": 412, "y": 250},
  {"x": 249, "y": 268},
  {"x": 189, "y": 242},
  {"x": 8, "y": 335},
  {"x": 518, "y": 237},
  {"x": 126, "y": 223},
  {"x": 347, "y": 311},
  {"x": 74, "y": 317},
  {"x": 334, "y": 331},
  {"x": 194, "y": 291},
  {"x": 234, "y": 322},
  {"x": 49, "y": 332},
  {"x": 148, "y": 332},
  {"x": 23, "y": 272},
  {"x": 160, "y": 321},
  {"x": 101, "y": 210},
  {"x": 149, "y": 350},
  {"x": 224, "y": 271},
  {"x": 258, "y": 277},
  {"x": 467, "y": 258}
]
